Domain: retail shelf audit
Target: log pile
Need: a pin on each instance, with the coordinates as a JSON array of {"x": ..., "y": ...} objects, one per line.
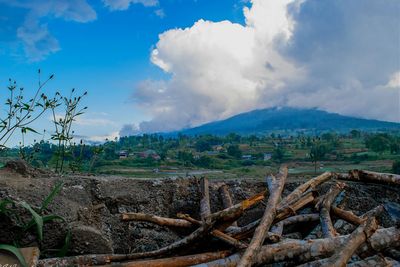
[{"x": 278, "y": 237}]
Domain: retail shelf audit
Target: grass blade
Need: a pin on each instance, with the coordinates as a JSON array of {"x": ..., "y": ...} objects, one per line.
[
  {"x": 36, "y": 217},
  {"x": 51, "y": 196},
  {"x": 15, "y": 251}
]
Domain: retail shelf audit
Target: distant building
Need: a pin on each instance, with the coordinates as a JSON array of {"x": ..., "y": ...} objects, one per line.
[
  {"x": 149, "y": 154},
  {"x": 267, "y": 156},
  {"x": 247, "y": 157},
  {"x": 123, "y": 154}
]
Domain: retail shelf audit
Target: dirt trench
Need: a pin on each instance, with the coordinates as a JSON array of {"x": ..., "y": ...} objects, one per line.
[{"x": 92, "y": 205}]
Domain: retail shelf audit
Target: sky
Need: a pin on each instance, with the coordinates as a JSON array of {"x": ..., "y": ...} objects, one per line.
[{"x": 163, "y": 65}]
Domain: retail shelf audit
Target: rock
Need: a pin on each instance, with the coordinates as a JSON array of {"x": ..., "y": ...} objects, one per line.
[
  {"x": 88, "y": 240},
  {"x": 19, "y": 166}
]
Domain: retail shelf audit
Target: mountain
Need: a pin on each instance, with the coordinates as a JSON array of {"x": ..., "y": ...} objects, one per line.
[{"x": 288, "y": 120}]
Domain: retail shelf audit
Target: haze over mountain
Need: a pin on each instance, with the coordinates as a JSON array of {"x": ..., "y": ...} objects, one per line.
[{"x": 288, "y": 119}]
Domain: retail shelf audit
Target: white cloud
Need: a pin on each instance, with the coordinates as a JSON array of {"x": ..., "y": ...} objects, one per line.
[
  {"x": 34, "y": 34},
  {"x": 124, "y": 4},
  {"x": 160, "y": 13},
  {"x": 287, "y": 53}
]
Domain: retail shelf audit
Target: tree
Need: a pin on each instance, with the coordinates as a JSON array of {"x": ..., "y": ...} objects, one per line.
[
  {"x": 279, "y": 153},
  {"x": 378, "y": 143},
  {"x": 234, "y": 151},
  {"x": 202, "y": 145},
  {"x": 355, "y": 134},
  {"x": 317, "y": 152}
]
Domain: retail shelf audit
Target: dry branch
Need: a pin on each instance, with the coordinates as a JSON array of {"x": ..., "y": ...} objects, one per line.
[
  {"x": 324, "y": 207},
  {"x": 180, "y": 261},
  {"x": 368, "y": 176},
  {"x": 131, "y": 216},
  {"x": 278, "y": 228},
  {"x": 281, "y": 214},
  {"x": 348, "y": 216},
  {"x": 309, "y": 185},
  {"x": 205, "y": 208},
  {"x": 305, "y": 250},
  {"x": 354, "y": 241},
  {"x": 275, "y": 188},
  {"x": 226, "y": 198}
]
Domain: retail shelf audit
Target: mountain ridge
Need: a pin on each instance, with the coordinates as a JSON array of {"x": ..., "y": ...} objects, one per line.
[{"x": 288, "y": 119}]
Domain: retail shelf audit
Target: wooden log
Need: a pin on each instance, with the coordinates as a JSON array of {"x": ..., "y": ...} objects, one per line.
[
  {"x": 275, "y": 188},
  {"x": 278, "y": 228},
  {"x": 284, "y": 212},
  {"x": 375, "y": 261},
  {"x": 205, "y": 208},
  {"x": 216, "y": 233},
  {"x": 301, "y": 251},
  {"x": 354, "y": 241},
  {"x": 374, "y": 177},
  {"x": 290, "y": 209},
  {"x": 180, "y": 261},
  {"x": 228, "y": 239},
  {"x": 324, "y": 207},
  {"x": 132, "y": 216},
  {"x": 226, "y": 198},
  {"x": 309, "y": 185},
  {"x": 348, "y": 216}
]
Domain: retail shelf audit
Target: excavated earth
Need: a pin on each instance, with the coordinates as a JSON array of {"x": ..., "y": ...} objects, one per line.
[{"x": 91, "y": 205}]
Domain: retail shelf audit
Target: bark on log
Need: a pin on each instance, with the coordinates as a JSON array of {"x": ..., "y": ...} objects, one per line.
[
  {"x": 305, "y": 250},
  {"x": 374, "y": 177},
  {"x": 205, "y": 208},
  {"x": 354, "y": 241},
  {"x": 324, "y": 209},
  {"x": 309, "y": 185},
  {"x": 375, "y": 261},
  {"x": 131, "y": 216},
  {"x": 181, "y": 261},
  {"x": 275, "y": 187},
  {"x": 278, "y": 228},
  {"x": 226, "y": 198}
]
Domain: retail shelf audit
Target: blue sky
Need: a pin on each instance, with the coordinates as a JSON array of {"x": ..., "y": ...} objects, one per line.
[{"x": 213, "y": 59}]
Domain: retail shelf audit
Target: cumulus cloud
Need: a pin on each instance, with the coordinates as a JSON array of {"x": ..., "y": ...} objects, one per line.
[
  {"x": 333, "y": 55},
  {"x": 124, "y": 4},
  {"x": 29, "y": 27}
]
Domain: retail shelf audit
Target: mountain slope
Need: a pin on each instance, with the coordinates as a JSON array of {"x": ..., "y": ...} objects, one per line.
[{"x": 288, "y": 119}]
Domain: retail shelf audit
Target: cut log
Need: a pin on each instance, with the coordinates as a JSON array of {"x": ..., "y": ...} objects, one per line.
[
  {"x": 131, "y": 216},
  {"x": 278, "y": 228},
  {"x": 324, "y": 207},
  {"x": 354, "y": 241},
  {"x": 226, "y": 198},
  {"x": 205, "y": 208},
  {"x": 309, "y": 185},
  {"x": 305, "y": 250},
  {"x": 275, "y": 188},
  {"x": 181, "y": 261},
  {"x": 374, "y": 177}
]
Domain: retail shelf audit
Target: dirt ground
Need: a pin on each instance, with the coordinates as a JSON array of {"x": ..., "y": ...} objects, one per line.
[{"x": 92, "y": 206}]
